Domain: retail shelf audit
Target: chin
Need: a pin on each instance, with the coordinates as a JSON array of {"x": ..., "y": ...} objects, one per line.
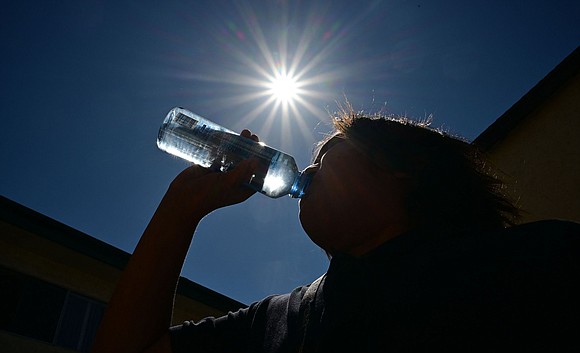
[
  {"x": 308, "y": 224},
  {"x": 313, "y": 230}
]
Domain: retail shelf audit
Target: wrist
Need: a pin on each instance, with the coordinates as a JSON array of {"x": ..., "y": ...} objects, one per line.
[{"x": 181, "y": 208}]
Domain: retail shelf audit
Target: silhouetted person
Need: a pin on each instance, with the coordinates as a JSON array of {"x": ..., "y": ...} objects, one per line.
[{"x": 424, "y": 256}]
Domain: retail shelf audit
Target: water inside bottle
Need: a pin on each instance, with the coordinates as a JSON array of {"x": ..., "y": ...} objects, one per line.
[{"x": 211, "y": 146}]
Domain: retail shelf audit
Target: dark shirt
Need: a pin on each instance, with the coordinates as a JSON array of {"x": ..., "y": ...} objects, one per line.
[{"x": 512, "y": 289}]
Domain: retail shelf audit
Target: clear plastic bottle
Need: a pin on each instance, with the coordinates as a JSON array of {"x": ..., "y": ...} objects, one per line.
[{"x": 200, "y": 141}]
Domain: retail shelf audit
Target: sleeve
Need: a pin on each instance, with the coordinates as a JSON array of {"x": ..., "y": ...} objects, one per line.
[
  {"x": 268, "y": 325},
  {"x": 229, "y": 333}
]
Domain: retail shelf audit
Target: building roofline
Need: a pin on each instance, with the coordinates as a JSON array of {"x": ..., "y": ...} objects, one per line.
[
  {"x": 530, "y": 101},
  {"x": 25, "y": 218}
]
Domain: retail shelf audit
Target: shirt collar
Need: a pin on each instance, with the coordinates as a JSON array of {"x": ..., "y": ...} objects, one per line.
[{"x": 350, "y": 276}]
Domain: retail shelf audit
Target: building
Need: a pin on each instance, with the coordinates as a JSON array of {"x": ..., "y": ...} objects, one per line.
[
  {"x": 536, "y": 145},
  {"x": 55, "y": 281}
]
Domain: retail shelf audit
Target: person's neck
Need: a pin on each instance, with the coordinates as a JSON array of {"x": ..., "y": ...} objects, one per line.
[{"x": 372, "y": 242}]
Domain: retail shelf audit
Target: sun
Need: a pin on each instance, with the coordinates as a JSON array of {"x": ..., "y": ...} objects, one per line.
[
  {"x": 284, "y": 88},
  {"x": 279, "y": 77}
]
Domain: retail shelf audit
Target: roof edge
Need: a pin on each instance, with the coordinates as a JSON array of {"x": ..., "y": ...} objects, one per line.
[
  {"x": 25, "y": 218},
  {"x": 518, "y": 112}
]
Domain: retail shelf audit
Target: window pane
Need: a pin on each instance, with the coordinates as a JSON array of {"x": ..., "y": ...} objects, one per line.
[
  {"x": 72, "y": 322},
  {"x": 32, "y": 307},
  {"x": 93, "y": 320}
]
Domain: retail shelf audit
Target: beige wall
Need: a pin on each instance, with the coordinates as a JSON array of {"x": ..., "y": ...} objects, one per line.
[
  {"x": 30, "y": 254},
  {"x": 541, "y": 157}
]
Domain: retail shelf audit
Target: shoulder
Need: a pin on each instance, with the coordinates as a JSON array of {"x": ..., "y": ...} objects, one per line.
[
  {"x": 540, "y": 233},
  {"x": 547, "y": 236},
  {"x": 547, "y": 228},
  {"x": 245, "y": 327},
  {"x": 541, "y": 239},
  {"x": 542, "y": 251},
  {"x": 540, "y": 256},
  {"x": 543, "y": 236},
  {"x": 272, "y": 308}
]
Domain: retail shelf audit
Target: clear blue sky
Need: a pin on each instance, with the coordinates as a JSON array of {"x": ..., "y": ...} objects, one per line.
[{"x": 86, "y": 84}]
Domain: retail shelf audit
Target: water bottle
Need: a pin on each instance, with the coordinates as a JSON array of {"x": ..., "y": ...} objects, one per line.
[{"x": 200, "y": 141}]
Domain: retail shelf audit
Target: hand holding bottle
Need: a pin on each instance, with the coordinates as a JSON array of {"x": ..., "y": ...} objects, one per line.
[{"x": 197, "y": 191}]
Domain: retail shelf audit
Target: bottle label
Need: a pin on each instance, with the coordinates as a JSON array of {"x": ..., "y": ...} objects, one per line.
[{"x": 185, "y": 121}]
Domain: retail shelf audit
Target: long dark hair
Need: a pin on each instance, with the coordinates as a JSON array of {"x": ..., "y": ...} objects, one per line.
[{"x": 452, "y": 187}]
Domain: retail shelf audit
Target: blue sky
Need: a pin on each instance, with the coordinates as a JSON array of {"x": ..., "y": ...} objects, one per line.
[{"x": 86, "y": 84}]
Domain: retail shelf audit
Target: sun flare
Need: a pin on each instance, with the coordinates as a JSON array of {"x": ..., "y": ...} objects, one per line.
[
  {"x": 284, "y": 88},
  {"x": 265, "y": 72}
]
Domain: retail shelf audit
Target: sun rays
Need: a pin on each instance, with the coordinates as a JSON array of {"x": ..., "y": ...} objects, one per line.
[{"x": 277, "y": 74}]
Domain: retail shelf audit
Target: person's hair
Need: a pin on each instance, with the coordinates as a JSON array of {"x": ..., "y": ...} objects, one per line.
[{"x": 452, "y": 187}]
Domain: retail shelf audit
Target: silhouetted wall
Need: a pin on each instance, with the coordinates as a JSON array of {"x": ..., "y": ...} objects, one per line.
[
  {"x": 536, "y": 144},
  {"x": 55, "y": 282}
]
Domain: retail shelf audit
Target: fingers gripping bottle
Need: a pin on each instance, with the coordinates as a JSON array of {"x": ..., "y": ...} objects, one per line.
[{"x": 200, "y": 141}]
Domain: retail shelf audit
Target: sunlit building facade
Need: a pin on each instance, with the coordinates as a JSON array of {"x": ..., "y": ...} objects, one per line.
[{"x": 536, "y": 145}]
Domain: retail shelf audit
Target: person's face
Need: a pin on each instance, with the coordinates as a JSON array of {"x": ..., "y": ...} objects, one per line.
[{"x": 351, "y": 207}]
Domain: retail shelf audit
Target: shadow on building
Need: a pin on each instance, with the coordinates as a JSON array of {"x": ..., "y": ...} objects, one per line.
[{"x": 55, "y": 282}]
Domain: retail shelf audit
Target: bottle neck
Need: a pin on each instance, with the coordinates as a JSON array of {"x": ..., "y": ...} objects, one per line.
[{"x": 300, "y": 185}]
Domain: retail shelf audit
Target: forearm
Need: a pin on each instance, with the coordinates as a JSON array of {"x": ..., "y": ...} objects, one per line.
[{"x": 139, "y": 313}]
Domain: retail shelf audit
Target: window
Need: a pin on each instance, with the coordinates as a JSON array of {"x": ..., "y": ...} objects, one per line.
[
  {"x": 79, "y": 321},
  {"x": 37, "y": 309}
]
